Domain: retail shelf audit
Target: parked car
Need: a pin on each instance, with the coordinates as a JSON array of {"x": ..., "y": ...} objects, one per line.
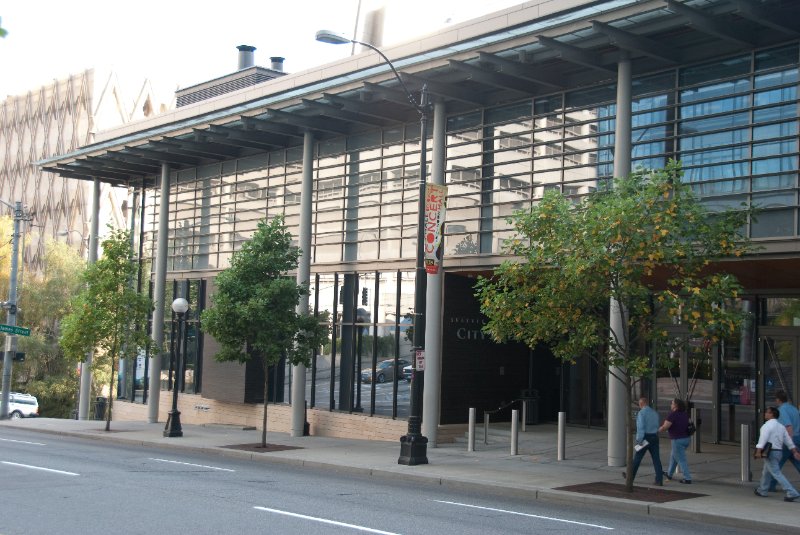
[
  {"x": 408, "y": 372},
  {"x": 384, "y": 371},
  {"x": 22, "y": 406}
]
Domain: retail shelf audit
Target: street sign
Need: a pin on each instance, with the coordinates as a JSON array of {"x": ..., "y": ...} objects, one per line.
[{"x": 12, "y": 329}]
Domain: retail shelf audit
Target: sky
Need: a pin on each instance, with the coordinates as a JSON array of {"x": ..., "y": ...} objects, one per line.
[{"x": 179, "y": 43}]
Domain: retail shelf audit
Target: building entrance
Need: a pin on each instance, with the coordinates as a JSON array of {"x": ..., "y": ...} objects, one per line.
[{"x": 779, "y": 352}]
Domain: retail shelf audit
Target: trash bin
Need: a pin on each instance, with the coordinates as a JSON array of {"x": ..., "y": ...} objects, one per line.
[
  {"x": 531, "y": 400},
  {"x": 100, "y": 408}
]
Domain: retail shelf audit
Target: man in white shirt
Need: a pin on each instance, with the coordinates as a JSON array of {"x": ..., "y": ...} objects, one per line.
[{"x": 774, "y": 432}]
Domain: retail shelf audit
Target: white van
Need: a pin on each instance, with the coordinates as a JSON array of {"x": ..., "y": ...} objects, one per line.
[{"x": 22, "y": 406}]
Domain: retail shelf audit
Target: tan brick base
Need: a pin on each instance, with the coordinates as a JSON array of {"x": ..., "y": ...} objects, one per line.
[{"x": 197, "y": 410}]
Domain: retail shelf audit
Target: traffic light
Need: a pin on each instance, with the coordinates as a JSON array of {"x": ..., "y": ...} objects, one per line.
[
  {"x": 364, "y": 296},
  {"x": 19, "y": 357}
]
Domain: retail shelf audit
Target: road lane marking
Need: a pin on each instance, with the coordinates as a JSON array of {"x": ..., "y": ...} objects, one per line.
[
  {"x": 526, "y": 514},
  {"x": 191, "y": 464},
  {"x": 41, "y": 468},
  {"x": 23, "y": 442},
  {"x": 325, "y": 521}
]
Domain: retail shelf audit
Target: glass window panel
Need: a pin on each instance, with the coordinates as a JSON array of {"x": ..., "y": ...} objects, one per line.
[
  {"x": 714, "y": 156},
  {"x": 717, "y": 138},
  {"x": 642, "y": 150},
  {"x": 593, "y": 95},
  {"x": 776, "y": 199},
  {"x": 714, "y": 71},
  {"x": 545, "y": 105},
  {"x": 330, "y": 147},
  {"x": 461, "y": 244},
  {"x": 775, "y": 113},
  {"x": 711, "y": 172},
  {"x": 649, "y": 103},
  {"x": 775, "y": 165},
  {"x": 773, "y": 223},
  {"x": 389, "y": 248},
  {"x": 718, "y": 204},
  {"x": 713, "y": 107},
  {"x": 515, "y": 112},
  {"x": 774, "y": 182},
  {"x": 365, "y": 139},
  {"x": 393, "y": 138},
  {"x": 773, "y": 96},
  {"x": 774, "y": 148},
  {"x": 649, "y": 84},
  {"x": 777, "y": 57},
  {"x": 460, "y": 122},
  {"x": 650, "y": 133},
  {"x": 775, "y": 130},
  {"x": 721, "y": 122}
]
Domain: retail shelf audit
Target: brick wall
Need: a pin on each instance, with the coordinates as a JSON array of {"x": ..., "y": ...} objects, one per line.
[{"x": 198, "y": 410}]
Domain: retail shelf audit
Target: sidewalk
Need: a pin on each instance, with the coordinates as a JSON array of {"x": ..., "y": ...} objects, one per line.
[{"x": 534, "y": 473}]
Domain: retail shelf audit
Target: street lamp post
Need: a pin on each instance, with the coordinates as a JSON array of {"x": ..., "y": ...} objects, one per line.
[
  {"x": 173, "y": 427},
  {"x": 11, "y": 307},
  {"x": 413, "y": 445}
]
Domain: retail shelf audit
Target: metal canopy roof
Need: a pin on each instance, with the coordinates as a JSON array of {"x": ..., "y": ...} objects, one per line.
[{"x": 655, "y": 34}]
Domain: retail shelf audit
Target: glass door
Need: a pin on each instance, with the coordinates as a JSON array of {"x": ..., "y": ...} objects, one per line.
[{"x": 779, "y": 354}]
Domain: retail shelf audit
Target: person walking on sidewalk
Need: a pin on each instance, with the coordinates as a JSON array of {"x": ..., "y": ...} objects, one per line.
[
  {"x": 774, "y": 433},
  {"x": 790, "y": 418},
  {"x": 677, "y": 426},
  {"x": 647, "y": 434}
]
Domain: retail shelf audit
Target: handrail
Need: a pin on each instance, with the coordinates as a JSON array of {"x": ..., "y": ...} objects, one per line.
[{"x": 503, "y": 407}]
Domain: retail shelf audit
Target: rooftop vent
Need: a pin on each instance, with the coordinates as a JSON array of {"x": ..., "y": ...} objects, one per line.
[{"x": 246, "y": 75}]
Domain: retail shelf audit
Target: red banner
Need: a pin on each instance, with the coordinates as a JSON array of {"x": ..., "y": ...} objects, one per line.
[{"x": 435, "y": 202}]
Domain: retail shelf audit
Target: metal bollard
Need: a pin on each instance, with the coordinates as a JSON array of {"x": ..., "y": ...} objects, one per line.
[
  {"x": 695, "y": 416},
  {"x": 514, "y": 431},
  {"x": 485, "y": 428},
  {"x": 471, "y": 432},
  {"x": 524, "y": 414},
  {"x": 744, "y": 443},
  {"x": 562, "y": 437}
]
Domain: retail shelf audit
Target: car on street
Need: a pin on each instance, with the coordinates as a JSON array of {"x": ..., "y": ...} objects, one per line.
[
  {"x": 22, "y": 406},
  {"x": 384, "y": 371},
  {"x": 408, "y": 372}
]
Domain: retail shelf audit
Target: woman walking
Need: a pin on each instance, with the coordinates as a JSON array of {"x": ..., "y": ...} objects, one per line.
[{"x": 677, "y": 426}]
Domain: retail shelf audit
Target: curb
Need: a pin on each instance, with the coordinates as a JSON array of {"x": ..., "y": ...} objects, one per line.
[{"x": 543, "y": 494}]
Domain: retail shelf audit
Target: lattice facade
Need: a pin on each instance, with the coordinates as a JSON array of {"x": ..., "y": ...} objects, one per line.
[{"x": 57, "y": 119}]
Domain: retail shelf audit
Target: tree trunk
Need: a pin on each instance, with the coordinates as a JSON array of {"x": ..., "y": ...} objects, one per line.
[
  {"x": 629, "y": 430},
  {"x": 111, "y": 384},
  {"x": 266, "y": 402}
]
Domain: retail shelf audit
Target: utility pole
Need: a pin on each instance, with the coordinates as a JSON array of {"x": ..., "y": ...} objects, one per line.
[{"x": 11, "y": 308}]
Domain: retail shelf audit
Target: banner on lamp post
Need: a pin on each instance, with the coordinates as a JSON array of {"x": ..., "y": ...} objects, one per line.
[{"x": 435, "y": 202}]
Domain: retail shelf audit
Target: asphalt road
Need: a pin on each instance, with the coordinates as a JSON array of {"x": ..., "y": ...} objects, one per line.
[{"x": 64, "y": 485}]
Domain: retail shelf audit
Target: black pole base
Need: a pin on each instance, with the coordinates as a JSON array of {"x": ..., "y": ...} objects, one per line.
[
  {"x": 413, "y": 450},
  {"x": 173, "y": 427}
]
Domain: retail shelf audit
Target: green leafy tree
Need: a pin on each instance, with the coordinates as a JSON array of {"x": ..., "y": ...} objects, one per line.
[
  {"x": 104, "y": 314},
  {"x": 253, "y": 310},
  {"x": 44, "y": 299},
  {"x": 644, "y": 242}
]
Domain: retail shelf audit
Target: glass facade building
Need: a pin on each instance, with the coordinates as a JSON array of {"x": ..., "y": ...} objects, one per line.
[{"x": 729, "y": 114}]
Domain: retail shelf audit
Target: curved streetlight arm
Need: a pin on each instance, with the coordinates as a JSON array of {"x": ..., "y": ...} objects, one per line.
[
  {"x": 325, "y": 36},
  {"x": 410, "y": 96}
]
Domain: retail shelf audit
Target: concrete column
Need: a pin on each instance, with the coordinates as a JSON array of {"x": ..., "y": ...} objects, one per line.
[
  {"x": 86, "y": 366},
  {"x": 433, "y": 303},
  {"x": 618, "y": 412},
  {"x": 154, "y": 383},
  {"x": 303, "y": 277}
]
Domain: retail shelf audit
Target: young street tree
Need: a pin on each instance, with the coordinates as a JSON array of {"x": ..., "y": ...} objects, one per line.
[
  {"x": 105, "y": 314},
  {"x": 645, "y": 243},
  {"x": 253, "y": 312}
]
